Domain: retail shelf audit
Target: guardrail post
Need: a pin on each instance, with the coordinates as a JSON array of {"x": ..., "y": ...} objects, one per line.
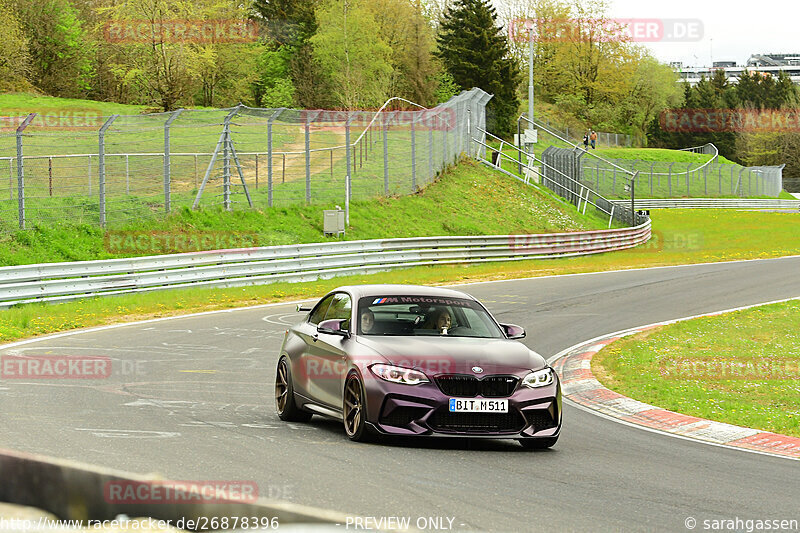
[
  {"x": 269, "y": 154},
  {"x": 21, "y": 170},
  {"x": 413, "y": 156},
  {"x": 167, "y": 178},
  {"x": 101, "y": 166}
]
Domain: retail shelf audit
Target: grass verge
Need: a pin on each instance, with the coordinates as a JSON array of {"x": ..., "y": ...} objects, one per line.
[
  {"x": 742, "y": 368},
  {"x": 680, "y": 236}
]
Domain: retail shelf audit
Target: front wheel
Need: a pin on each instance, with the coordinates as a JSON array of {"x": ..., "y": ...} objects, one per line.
[
  {"x": 538, "y": 444},
  {"x": 353, "y": 410},
  {"x": 285, "y": 406}
]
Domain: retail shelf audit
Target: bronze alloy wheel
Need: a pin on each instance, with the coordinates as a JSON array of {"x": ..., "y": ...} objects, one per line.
[
  {"x": 285, "y": 406},
  {"x": 353, "y": 409}
]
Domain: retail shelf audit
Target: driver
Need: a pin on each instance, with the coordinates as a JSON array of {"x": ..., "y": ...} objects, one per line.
[
  {"x": 439, "y": 320},
  {"x": 367, "y": 321}
]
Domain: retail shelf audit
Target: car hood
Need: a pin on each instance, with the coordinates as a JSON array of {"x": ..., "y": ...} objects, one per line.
[{"x": 443, "y": 355}]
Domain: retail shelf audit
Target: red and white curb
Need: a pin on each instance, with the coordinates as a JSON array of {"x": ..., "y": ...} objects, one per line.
[{"x": 580, "y": 386}]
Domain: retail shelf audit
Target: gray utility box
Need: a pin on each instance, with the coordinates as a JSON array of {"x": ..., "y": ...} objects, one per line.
[{"x": 333, "y": 222}]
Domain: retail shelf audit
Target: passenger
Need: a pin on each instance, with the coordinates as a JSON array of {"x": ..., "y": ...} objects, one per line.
[{"x": 367, "y": 321}]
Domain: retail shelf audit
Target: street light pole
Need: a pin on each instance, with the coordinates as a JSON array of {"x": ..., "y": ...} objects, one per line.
[{"x": 530, "y": 74}]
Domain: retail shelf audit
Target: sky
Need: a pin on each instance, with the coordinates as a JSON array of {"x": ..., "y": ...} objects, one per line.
[{"x": 731, "y": 30}]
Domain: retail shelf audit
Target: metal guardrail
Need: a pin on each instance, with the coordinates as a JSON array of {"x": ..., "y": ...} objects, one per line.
[
  {"x": 713, "y": 203},
  {"x": 302, "y": 262}
]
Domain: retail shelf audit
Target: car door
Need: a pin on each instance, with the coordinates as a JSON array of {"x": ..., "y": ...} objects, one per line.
[
  {"x": 304, "y": 377},
  {"x": 326, "y": 360}
]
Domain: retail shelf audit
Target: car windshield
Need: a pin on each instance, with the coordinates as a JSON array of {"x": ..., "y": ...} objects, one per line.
[{"x": 425, "y": 315}]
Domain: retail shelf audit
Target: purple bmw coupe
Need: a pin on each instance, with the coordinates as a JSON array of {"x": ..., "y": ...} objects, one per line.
[{"x": 410, "y": 360}]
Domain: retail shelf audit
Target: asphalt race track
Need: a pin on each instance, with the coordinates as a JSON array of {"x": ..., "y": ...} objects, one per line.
[{"x": 192, "y": 399}]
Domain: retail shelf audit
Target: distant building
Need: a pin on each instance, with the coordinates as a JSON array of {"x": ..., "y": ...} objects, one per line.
[{"x": 764, "y": 63}]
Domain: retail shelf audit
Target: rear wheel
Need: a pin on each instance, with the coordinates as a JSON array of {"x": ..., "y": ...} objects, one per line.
[
  {"x": 353, "y": 410},
  {"x": 285, "y": 405},
  {"x": 538, "y": 444}
]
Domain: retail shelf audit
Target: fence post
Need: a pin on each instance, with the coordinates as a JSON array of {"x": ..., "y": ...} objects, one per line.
[
  {"x": 308, "y": 158},
  {"x": 651, "y": 178},
  {"x": 101, "y": 166},
  {"x": 385, "y": 134},
  {"x": 688, "y": 168},
  {"x": 413, "y": 155},
  {"x": 10, "y": 178},
  {"x": 21, "y": 170},
  {"x": 50, "y": 175},
  {"x": 705, "y": 180},
  {"x": 348, "y": 184},
  {"x": 226, "y": 172},
  {"x": 269, "y": 154},
  {"x": 669, "y": 179},
  {"x": 256, "y": 170},
  {"x": 128, "y": 174},
  {"x": 519, "y": 144},
  {"x": 430, "y": 150},
  {"x": 167, "y": 177}
]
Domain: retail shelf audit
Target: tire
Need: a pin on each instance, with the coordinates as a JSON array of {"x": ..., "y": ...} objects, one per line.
[
  {"x": 353, "y": 409},
  {"x": 285, "y": 406},
  {"x": 538, "y": 444}
]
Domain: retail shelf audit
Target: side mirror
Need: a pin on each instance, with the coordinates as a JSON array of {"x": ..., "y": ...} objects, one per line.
[
  {"x": 334, "y": 327},
  {"x": 513, "y": 331},
  {"x": 303, "y": 308}
]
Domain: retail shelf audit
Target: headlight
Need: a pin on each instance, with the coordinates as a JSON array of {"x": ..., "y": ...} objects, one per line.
[
  {"x": 539, "y": 378},
  {"x": 398, "y": 374}
]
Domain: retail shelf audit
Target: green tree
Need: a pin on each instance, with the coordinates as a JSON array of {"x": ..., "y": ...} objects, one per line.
[
  {"x": 61, "y": 52},
  {"x": 352, "y": 54},
  {"x": 474, "y": 50},
  {"x": 290, "y": 25},
  {"x": 404, "y": 27},
  {"x": 14, "y": 57}
]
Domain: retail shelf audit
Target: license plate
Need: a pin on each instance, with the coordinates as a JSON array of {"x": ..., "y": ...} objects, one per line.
[{"x": 472, "y": 405}]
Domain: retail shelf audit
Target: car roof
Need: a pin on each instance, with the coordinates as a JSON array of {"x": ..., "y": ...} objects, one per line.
[{"x": 359, "y": 291}]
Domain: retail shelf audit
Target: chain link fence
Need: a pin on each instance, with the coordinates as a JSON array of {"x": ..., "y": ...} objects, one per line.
[
  {"x": 660, "y": 179},
  {"x": 111, "y": 170}
]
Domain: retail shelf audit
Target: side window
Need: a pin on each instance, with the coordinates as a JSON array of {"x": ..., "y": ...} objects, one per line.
[
  {"x": 340, "y": 308},
  {"x": 318, "y": 314}
]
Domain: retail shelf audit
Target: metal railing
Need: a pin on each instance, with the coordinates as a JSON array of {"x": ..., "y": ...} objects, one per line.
[
  {"x": 715, "y": 203},
  {"x": 302, "y": 262},
  {"x": 117, "y": 169},
  {"x": 560, "y": 182}
]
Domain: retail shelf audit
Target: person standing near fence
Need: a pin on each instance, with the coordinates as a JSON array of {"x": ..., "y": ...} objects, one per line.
[
  {"x": 593, "y": 138},
  {"x": 586, "y": 141}
]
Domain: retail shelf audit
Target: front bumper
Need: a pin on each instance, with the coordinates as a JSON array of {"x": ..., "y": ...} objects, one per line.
[{"x": 394, "y": 409}]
